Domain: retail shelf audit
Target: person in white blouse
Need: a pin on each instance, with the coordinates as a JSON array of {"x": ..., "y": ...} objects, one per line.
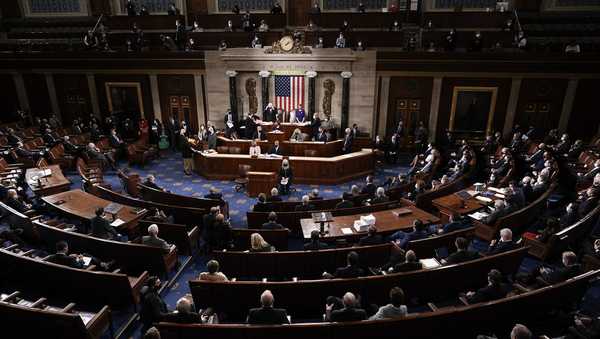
[{"x": 254, "y": 149}]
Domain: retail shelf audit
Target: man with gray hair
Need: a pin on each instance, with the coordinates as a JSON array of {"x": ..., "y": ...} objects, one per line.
[
  {"x": 500, "y": 209},
  {"x": 350, "y": 312},
  {"x": 183, "y": 313},
  {"x": 380, "y": 196},
  {"x": 152, "y": 239},
  {"x": 505, "y": 243},
  {"x": 305, "y": 206},
  {"x": 266, "y": 314}
]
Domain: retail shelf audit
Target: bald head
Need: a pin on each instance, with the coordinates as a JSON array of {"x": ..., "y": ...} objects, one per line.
[
  {"x": 267, "y": 299},
  {"x": 349, "y": 300}
]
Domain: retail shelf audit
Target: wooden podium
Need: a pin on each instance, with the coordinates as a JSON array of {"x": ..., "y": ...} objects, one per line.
[{"x": 261, "y": 182}]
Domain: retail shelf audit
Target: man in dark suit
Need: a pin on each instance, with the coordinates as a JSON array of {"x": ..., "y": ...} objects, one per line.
[
  {"x": 62, "y": 256},
  {"x": 372, "y": 238},
  {"x": 266, "y": 314},
  {"x": 276, "y": 149},
  {"x": 229, "y": 123},
  {"x": 457, "y": 222},
  {"x": 15, "y": 202},
  {"x": 351, "y": 270},
  {"x": 569, "y": 269},
  {"x": 411, "y": 263},
  {"x": 48, "y": 138},
  {"x": 350, "y": 312},
  {"x": 172, "y": 128},
  {"x": 321, "y": 135},
  {"x": 500, "y": 209},
  {"x": 270, "y": 113},
  {"x": 505, "y": 243},
  {"x": 305, "y": 206},
  {"x": 22, "y": 152},
  {"x": 369, "y": 188},
  {"x": 275, "y": 197},
  {"x": 262, "y": 205},
  {"x": 12, "y": 138},
  {"x": 315, "y": 244},
  {"x": 494, "y": 290},
  {"x": 151, "y": 182},
  {"x": 183, "y": 315},
  {"x": 259, "y": 134},
  {"x": 101, "y": 228},
  {"x": 462, "y": 253},
  {"x": 272, "y": 223},
  {"x": 71, "y": 148},
  {"x": 345, "y": 203},
  {"x": 420, "y": 231},
  {"x": 348, "y": 140},
  {"x": 152, "y": 239},
  {"x": 315, "y": 125}
]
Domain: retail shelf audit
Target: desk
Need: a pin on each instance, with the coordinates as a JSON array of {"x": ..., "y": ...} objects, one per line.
[
  {"x": 287, "y": 128},
  {"x": 386, "y": 222},
  {"x": 52, "y": 184},
  {"x": 82, "y": 205},
  {"x": 289, "y": 148},
  {"x": 260, "y": 182},
  {"x": 452, "y": 203},
  {"x": 307, "y": 170}
]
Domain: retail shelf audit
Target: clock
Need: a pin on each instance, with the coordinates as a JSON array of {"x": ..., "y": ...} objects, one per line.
[{"x": 286, "y": 43}]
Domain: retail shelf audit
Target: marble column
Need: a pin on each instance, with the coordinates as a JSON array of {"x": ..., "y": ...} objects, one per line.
[
  {"x": 384, "y": 94},
  {"x": 434, "y": 108},
  {"x": 311, "y": 75},
  {"x": 91, "y": 80},
  {"x": 155, "y": 94},
  {"x": 345, "y": 100},
  {"x": 21, "y": 92},
  {"x": 567, "y": 107},
  {"x": 233, "y": 93},
  {"x": 511, "y": 107},
  {"x": 264, "y": 90},
  {"x": 199, "y": 99},
  {"x": 52, "y": 95}
]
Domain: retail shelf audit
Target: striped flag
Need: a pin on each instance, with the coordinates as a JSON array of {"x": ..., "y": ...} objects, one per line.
[{"x": 289, "y": 92}]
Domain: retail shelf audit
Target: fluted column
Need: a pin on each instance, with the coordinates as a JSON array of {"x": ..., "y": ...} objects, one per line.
[
  {"x": 345, "y": 100},
  {"x": 264, "y": 80},
  {"x": 233, "y": 93},
  {"x": 311, "y": 75}
]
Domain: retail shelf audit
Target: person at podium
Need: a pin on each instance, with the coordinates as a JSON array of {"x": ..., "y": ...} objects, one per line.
[
  {"x": 300, "y": 115},
  {"x": 285, "y": 177}
]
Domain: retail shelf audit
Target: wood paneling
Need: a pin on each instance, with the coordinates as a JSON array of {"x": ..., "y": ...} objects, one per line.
[
  {"x": 197, "y": 6},
  {"x": 540, "y": 102},
  {"x": 585, "y": 118},
  {"x": 180, "y": 86},
  {"x": 10, "y": 9},
  {"x": 9, "y": 103},
  {"x": 448, "y": 85},
  {"x": 73, "y": 96},
  {"x": 409, "y": 88},
  {"x": 298, "y": 12},
  {"x": 102, "y": 79},
  {"x": 37, "y": 91}
]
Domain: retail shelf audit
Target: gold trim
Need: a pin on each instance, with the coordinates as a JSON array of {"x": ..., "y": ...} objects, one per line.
[
  {"x": 491, "y": 112},
  {"x": 108, "y": 85}
]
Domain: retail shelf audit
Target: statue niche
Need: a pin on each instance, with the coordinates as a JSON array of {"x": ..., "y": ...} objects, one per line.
[
  {"x": 252, "y": 99},
  {"x": 329, "y": 87}
]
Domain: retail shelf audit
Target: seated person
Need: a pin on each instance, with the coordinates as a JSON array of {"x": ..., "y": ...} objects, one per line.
[
  {"x": 101, "y": 228},
  {"x": 369, "y": 188},
  {"x": 351, "y": 270},
  {"x": 214, "y": 194},
  {"x": 94, "y": 153},
  {"x": 275, "y": 197},
  {"x": 315, "y": 243},
  {"x": 62, "y": 256},
  {"x": 272, "y": 222},
  {"x": 494, "y": 290},
  {"x": 420, "y": 231},
  {"x": 314, "y": 194},
  {"x": 258, "y": 244},
  {"x": 152, "y": 239},
  {"x": 151, "y": 182},
  {"x": 350, "y": 312},
  {"x": 501, "y": 209},
  {"x": 395, "y": 309},
  {"x": 266, "y": 314},
  {"x": 380, "y": 197},
  {"x": 262, "y": 205},
  {"x": 462, "y": 253},
  {"x": 71, "y": 148},
  {"x": 372, "y": 238},
  {"x": 588, "y": 201},
  {"x": 17, "y": 203},
  {"x": 505, "y": 243},
  {"x": 213, "y": 273},
  {"x": 259, "y": 134},
  {"x": 591, "y": 173},
  {"x": 354, "y": 195},
  {"x": 220, "y": 236},
  {"x": 345, "y": 203},
  {"x": 411, "y": 263},
  {"x": 306, "y": 205},
  {"x": 183, "y": 313},
  {"x": 254, "y": 150},
  {"x": 457, "y": 222},
  {"x": 553, "y": 275},
  {"x": 276, "y": 149},
  {"x": 297, "y": 136}
]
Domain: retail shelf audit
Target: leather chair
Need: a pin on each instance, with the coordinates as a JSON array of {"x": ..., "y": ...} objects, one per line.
[{"x": 242, "y": 181}]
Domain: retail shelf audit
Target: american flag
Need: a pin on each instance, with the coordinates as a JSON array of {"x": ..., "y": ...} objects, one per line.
[{"x": 289, "y": 92}]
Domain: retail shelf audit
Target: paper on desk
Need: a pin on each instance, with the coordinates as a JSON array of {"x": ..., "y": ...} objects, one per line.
[
  {"x": 117, "y": 223},
  {"x": 478, "y": 215},
  {"x": 484, "y": 199},
  {"x": 430, "y": 263},
  {"x": 494, "y": 189},
  {"x": 346, "y": 230},
  {"x": 499, "y": 196},
  {"x": 472, "y": 192}
]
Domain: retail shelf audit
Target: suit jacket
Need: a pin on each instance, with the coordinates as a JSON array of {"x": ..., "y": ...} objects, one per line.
[
  {"x": 461, "y": 256},
  {"x": 371, "y": 240},
  {"x": 349, "y": 272},
  {"x": 271, "y": 226},
  {"x": 488, "y": 293},
  {"x": 321, "y": 137},
  {"x": 344, "y": 204},
  {"x": 212, "y": 141},
  {"x": 408, "y": 266},
  {"x": 17, "y": 205},
  {"x": 262, "y": 207},
  {"x": 348, "y": 314},
  {"x": 562, "y": 273},
  {"x": 275, "y": 150},
  {"x": 303, "y": 207},
  {"x": 369, "y": 189},
  {"x": 65, "y": 260},
  {"x": 101, "y": 228},
  {"x": 286, "y": 173},
  {"x": 115, "y": 141},
  {"x": 347, "y": 147},
  {"x": 267, "y": 316},
  {"x": 314, "y": 246},
  {"x": 270, "y": 114},
  {"x": 70, "y": 147},
  {"x": 156, "y": 242},
  {"x": 502, "y": 246},
  {"x": 182, "y": 318}
]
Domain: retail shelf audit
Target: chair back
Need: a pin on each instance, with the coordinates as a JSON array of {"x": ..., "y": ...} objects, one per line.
[{"x": 243, "y": 171}]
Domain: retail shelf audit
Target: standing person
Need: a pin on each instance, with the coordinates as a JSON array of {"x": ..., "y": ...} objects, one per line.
[
  {"x": 172, "y": 128},
  {"x": 152, "y": 307},
  {"x": 348, "y": 139},
  {"x": 270, "y": 114},
  {"x": 130, "y": 6},
  {"x": 229, "y": 123},
  {"x": 144, "y": 131},
  {"x": 285, "y": 177},
  {"x": 186, "y": 152}
]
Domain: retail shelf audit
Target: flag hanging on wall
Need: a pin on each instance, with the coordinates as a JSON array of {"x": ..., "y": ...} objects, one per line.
[{"x": 289, "y": 92}]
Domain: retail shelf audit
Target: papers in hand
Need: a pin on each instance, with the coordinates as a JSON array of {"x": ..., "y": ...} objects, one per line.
[
  {"x": 86, "y": 261},
  {"x": 284, "y": 181},
  {"x": 346, "y": 231},
  {"x": 117, "y": 223},
  {"x": 494, "y": 189},
  {"x": 478, "y": 215},
  {"x": 484, "y": 199},
  {"x": 229, "y": 124},
  {"x": 430, "y": 263}
]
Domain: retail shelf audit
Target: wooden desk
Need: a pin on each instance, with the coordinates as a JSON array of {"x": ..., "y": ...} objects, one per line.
[
  {"x": 289, "y": 148},
  {"x": 52, "y": 184},
  {"x": 386, "y": 222},
  {"x": 260, "y": 182},
  {"x": 82, "y": 205},
  {"x": 452, "y": 203},
  {"x": 307, "y": 170},
  {"x": 287, "y": 128}
]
